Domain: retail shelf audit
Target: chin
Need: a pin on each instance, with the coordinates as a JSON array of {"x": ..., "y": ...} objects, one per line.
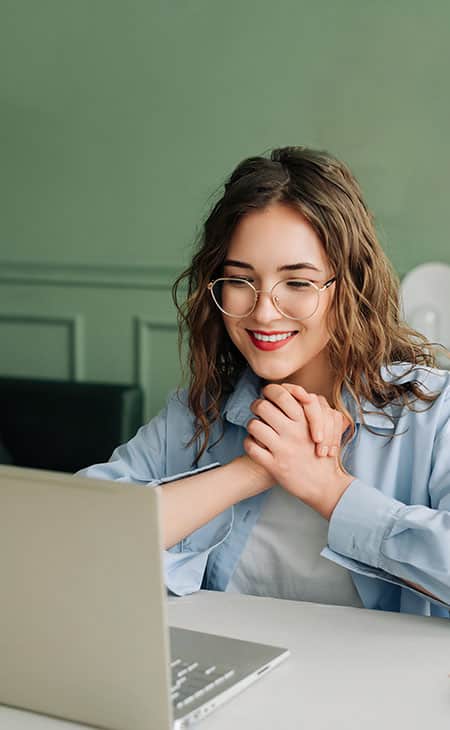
[{"x": 274, "y": 373}]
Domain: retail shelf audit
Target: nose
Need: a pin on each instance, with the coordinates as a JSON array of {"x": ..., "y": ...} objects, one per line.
[{"x": 265, "y": 310}]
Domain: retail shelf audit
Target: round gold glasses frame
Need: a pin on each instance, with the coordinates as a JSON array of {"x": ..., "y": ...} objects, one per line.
[{"x": 269, "y": 291}]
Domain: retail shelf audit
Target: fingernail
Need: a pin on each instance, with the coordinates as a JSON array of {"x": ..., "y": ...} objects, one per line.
[
  {"x": 319, "y": 436},
  {"x": 323, "y": 450},
  {"x": 333, "y": 451}
]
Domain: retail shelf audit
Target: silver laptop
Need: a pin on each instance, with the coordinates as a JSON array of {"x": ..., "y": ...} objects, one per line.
[{"x": 83, "y": 626}]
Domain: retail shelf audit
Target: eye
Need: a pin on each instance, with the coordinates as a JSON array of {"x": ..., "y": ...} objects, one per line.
[{"x": 299, "y": 284}]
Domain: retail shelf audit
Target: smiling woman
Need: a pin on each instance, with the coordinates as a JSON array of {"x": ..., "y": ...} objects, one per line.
[
  {"x": 308, "y": 397},
  {"x": 273, "y": 239}
]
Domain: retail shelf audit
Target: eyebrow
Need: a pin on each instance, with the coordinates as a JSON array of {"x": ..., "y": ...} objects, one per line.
[{"x": 287, "y": 267}]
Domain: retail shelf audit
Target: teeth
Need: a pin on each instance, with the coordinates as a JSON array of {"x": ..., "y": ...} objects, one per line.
[{"x": 271, "y": 338}]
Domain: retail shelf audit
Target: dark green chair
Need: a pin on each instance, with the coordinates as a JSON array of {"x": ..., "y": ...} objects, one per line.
[{"x": 63, "y": 425}]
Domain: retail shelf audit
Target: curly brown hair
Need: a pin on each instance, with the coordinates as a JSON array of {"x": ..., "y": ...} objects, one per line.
[{"x": 366, "y": 318}]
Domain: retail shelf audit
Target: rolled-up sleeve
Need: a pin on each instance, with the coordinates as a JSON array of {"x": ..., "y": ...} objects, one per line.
[
  {"x": 184, "y": 571},
  {"x": 399, "y": 542}
]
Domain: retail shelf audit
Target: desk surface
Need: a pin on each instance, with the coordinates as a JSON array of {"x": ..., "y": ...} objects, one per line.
[{"x": 349, "y": 668}]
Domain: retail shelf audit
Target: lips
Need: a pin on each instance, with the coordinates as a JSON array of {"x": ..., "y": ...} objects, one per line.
[{"x": 267, "y": 345}]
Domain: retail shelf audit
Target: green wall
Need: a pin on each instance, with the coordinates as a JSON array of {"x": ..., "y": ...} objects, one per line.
[{"x": 120, "y": 119}]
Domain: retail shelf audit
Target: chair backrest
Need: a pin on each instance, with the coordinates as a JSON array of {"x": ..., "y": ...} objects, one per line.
[
  {"x": 425, "y": 293},
  {"x": 63, "y": 425}
]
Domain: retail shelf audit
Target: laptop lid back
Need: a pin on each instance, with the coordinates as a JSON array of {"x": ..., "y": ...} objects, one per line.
[{"x": 83, "y": 629}]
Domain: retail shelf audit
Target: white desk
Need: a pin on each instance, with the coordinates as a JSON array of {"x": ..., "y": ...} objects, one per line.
[{"x": 349, "y": 669}]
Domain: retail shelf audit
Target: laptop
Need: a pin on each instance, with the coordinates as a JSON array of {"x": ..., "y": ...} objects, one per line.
[{"x": 83, "y": 630}]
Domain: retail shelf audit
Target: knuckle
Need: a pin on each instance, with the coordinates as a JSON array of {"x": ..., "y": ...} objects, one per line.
[
  {"x": 323, "y": 402},
  {"x": 263, "y": 410},
  {"x": 284, "y": 398},
  {"x": 257, "y": 405},
  {"x": 269, "y": 388},
  {"x": 317, "y": 400},
  {"x": 251, "y": 424}
]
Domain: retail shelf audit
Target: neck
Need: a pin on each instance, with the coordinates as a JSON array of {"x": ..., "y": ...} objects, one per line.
[{"x": 315, "y": 377}]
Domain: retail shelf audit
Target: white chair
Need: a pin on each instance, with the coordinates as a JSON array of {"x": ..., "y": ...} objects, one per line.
[{"x": 425, "y": 294}]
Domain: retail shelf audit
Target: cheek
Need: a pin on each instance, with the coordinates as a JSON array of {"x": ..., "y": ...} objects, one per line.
[
  {"x": 318, "y": 329},
  {"x": 325, "y": 321},
  {"x": 231, "y": 329}
]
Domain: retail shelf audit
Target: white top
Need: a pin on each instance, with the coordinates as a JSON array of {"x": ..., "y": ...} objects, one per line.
[{"x": 282, "y": 556}]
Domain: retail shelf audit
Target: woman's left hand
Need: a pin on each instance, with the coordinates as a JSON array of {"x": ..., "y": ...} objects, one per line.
[{"x": 285, "y": 440}]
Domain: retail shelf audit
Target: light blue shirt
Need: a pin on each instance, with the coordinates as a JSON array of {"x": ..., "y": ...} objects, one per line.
[{"x": 391, "y": 524}]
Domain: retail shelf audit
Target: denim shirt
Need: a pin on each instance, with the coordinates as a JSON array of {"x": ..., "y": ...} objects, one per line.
[{"x": 391, "y": 524}]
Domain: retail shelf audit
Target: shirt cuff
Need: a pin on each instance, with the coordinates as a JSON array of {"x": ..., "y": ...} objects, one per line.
[
  {"x": 184, "y": 570},
  {"x": 184, "y": 474},
  {"x": 360, "y": 521}
]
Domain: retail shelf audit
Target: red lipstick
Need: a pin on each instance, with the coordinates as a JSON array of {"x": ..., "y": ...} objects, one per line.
[{"x": 266, "y": 345}]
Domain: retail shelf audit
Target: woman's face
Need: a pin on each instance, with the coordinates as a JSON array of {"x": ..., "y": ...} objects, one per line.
[{"x": 263, "y": 243}]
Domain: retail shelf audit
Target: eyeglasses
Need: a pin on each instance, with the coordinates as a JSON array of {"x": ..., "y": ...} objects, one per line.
[{"x": 293, "y": 298}]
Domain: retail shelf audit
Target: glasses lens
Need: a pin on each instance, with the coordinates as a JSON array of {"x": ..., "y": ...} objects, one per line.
[
  {"x": 296, "y": 298},
  {"x": 235, "y": 297}
]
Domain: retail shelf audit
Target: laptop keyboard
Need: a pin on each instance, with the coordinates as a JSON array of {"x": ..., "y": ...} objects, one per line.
[{"x": 192, "y": 681}]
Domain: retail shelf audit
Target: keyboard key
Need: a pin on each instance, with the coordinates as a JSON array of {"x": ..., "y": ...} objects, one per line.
[
  {"x": 179, "y": 681},
  {"x": 191, "y": 681},
  {"x": 197, "y": 681}
]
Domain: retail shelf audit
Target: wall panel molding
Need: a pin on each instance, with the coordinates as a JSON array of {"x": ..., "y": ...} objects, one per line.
[
  {"x": 75, "y": 326},
  {"x": 88, "y": 275},
  {"x": 145, "y": 330}
]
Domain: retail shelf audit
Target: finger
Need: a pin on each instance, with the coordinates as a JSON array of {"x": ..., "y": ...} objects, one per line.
[
  {"x": 264, "y": 434},
  {"x": 298, "y": 392},
  {"x": 311, "y": 408},
  {"x": 329, "y": 422},
  {"x": 314, "y": 416},
  {"x": 270, "y": 413},
  {"x": 286, "y": 402},
  {"x": 338, "y": 430},
  {"x": 323, "y": 448},
  {"x": 258, "y": 453}
]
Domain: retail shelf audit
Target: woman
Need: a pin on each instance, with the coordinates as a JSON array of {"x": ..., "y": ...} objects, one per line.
[{"x": 322, "y": 413}]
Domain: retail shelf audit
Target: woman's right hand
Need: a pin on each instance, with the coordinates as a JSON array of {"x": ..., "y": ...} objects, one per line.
[{"x": 326, "y": 424}]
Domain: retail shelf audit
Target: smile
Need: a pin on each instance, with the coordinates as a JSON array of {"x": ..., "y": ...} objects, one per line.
[{"x": 266, "y": 341}]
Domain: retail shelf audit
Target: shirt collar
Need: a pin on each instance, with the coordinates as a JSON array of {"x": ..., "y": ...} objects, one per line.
[
  {"x": 386, "y": 418},
  {"x": 249, "y": 386},
  {"x": 373, "y": 417},
  {"x": 247, "y": 389}
]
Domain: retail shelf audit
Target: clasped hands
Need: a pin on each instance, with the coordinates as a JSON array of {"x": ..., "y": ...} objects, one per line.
[{"x": 296, "y": 438}]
